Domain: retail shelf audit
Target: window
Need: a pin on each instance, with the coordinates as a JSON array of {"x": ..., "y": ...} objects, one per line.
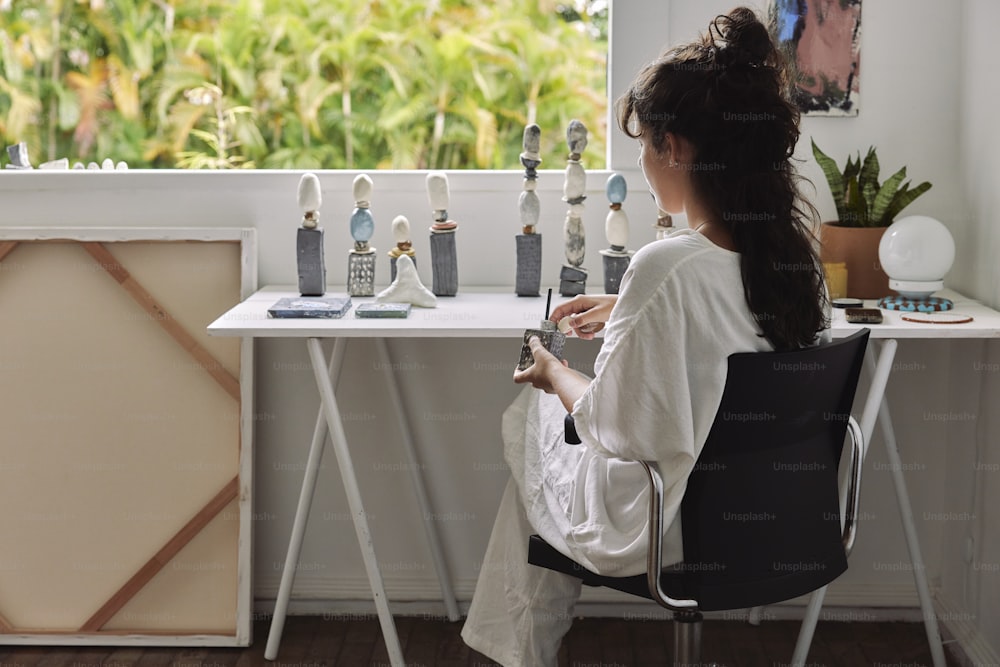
[{"x": 301, "y": 84}]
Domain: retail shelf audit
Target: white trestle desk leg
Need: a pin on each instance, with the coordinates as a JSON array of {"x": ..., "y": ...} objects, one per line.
[
  {"x": 910, "y": 530},
  {"x": 433, "y": 539},
  {"x": 808, "y": 627},
  {"x": 301, "y": 514},
  {"x": 339, "y": 441},
  {"x": 873, "y": 404}
]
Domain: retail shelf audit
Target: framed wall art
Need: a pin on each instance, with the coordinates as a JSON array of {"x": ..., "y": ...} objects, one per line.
[{"x": 823, "y": 40}]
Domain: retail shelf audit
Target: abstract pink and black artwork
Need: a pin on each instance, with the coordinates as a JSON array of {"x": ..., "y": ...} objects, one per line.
[{"x": 823, "y": 38}]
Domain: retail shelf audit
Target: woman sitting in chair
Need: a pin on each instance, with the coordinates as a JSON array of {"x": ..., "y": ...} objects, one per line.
[{"x": 716, "y": 134}]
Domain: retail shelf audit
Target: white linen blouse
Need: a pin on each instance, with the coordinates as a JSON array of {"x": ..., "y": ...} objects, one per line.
[{"x": 659, "y": 378}]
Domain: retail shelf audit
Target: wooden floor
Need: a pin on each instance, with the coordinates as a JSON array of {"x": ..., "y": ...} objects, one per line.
[{"x": 312, "y": 641}]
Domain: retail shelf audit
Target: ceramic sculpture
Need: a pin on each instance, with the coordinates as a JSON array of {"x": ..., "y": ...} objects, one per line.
[
  {"x": 18, "y": 154},
  {"x": 664, "y": 224},
  {"x": 549, "y": 335},
  {"x": 309, "y": 242},
  {"x": 444, "y": 262},
  {"x": 529, "y": 242},
  {"x": 107, "y": 164},
  {"x": 616, "y": 258},
  {"x": 361, "y": 259},
  {"x": 404, "y": 246},
  {"x": 573, "y": 277},
  {"x": 407, "y": 288}
]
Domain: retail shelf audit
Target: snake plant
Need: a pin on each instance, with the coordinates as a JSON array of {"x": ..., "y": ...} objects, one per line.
[{"x": 861, "y": 200}]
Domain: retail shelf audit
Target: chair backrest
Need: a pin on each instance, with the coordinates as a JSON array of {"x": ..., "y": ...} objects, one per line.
[{"x": 761, "y": 514}]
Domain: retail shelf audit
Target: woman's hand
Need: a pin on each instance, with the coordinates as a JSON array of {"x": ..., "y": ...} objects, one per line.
[
  {"x": 587, "y": 313},
  {"x": 552, "y": 375},
  {"x": 540, "y": 374}
]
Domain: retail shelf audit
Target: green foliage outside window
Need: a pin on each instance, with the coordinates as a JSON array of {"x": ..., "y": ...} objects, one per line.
[{"x": 303, "y": 84}]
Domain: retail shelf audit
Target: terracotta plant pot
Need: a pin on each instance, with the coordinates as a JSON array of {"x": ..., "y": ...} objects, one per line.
[{"x": 857, "y": 247}]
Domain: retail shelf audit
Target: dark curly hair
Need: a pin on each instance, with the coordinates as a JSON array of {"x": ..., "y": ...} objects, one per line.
[{"x": 728, "y": 94}]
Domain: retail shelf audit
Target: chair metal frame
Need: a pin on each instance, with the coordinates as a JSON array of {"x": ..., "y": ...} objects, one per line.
[{"x": 687, "y": 618}]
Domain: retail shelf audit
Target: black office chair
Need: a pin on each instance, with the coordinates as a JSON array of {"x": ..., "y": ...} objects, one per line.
[{"x": 761, "y": 516}]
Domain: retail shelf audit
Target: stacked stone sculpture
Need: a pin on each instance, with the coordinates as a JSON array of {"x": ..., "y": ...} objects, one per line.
[
  {"x": 616, "y": 258},
  {"x": 529, "y": 242},
  {"x": 573, "y": 277},
  {"x": 361, "y": 259},
  {"x": 404, "y": 246},
  {"x": 309, "y": 242},
  {"x": 444, "y": 262},
  {"x": 664, "y": 224},
  {"x": 18, "y": 154},
  {"x": 107, "y": 164}
]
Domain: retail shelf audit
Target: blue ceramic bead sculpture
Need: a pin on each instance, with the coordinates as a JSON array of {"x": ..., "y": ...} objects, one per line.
[
  {"x": 362, "y": 226},
  {"x": 361, "y": 260},
  {"x": 616, "y": 189},
  {"x": 616, "y": 258}
]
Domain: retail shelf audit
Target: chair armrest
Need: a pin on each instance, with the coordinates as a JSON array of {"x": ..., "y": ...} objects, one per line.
[
  {"x": 654, "y": 553},
  {"x": 858, "y": 451}
]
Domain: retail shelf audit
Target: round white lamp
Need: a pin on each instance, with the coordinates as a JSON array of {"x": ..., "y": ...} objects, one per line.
[{"x": 916, "y": 252}]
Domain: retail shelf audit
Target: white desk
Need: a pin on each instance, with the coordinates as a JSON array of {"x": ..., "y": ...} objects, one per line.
[{"x": 490, "y": 314}]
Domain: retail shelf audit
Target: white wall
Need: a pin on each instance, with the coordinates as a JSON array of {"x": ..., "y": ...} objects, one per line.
[
  {"x": 979, "y": 143},
  {"x": 916, "y": 106},
  {"x": 971, "y": 548}
]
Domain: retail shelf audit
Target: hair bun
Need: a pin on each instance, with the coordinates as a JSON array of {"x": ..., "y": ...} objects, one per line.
[{"x": 739, "y": 38}]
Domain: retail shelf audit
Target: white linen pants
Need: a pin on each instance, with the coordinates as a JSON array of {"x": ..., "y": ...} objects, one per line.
[{"x": 519, "y": 612}]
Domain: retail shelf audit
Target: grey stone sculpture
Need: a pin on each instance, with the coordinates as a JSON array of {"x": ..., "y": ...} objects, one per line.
[
  {"x": 309, "y": 242},
  {"x": 444, "y": 261},
  {"x": 529, "y": 242},
  {"x": 573, "y": 277}
]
